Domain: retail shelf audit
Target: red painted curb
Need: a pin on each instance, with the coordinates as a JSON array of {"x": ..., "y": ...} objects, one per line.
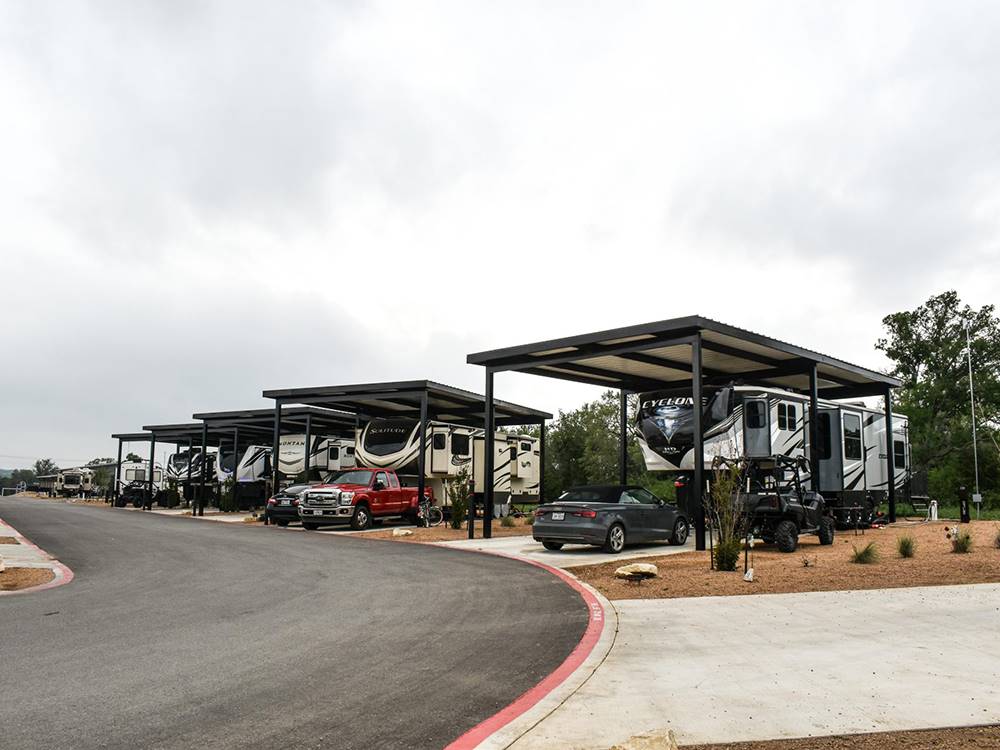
[
  {"x": 63, "y": 574},
  {"x": 595, "y": 627}
]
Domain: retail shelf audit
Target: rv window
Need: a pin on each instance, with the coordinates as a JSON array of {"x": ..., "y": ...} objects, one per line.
[
  {"x": 140, "y": 475},
  {"x": 335, "y": 453},
  {"x": 156, "y": 476},
  {"x": 440, "y": 441},
  {"x": 852, "y": 437},
  {"x": 899, "y": 454},
  {"x": 349, "y": 451},
  {"x": 756, "y": 416},
  {"x": 824, "y": 443},
  {"x": 526, "y": 447},
  {"x": 459, "y": 445},
  {"x": 129, "y": 475},
  {"x": 792, "y": 417},
  {"x": 513, "y": 453}
]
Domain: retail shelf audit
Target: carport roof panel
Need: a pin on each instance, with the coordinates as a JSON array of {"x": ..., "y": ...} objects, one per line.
[
  {"x": 655, "y": 356},
  {"x": 402, "y": 398},
  {"x": 320, "y": 418}
]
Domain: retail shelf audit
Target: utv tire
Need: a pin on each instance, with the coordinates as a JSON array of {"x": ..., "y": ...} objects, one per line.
[
  {"x": 826, "y": 530},
  {"x": 615, "y": 541},
  {"x": 362, "y": 518},
  {"x": 680, "y": 535},
  {"x": 786, "y": 536},
  {"x": 310, "y": 526},
  {"x": 554, "y": 546}
]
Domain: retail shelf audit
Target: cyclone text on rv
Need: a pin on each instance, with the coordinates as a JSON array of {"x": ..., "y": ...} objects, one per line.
[
  {"x": 393, "y": 443},
  {"x": 758, "y": 422}
]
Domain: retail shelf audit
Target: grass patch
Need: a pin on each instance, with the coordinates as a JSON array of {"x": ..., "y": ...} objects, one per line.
[
  {"x": 867, "y": 555},
  {"x": 961, "y": 541},
  {"x": 906, "y": 546},
  {"x": 996, "y": 540},
  {"x": 507, "y": 522},
  {"x": 529, "y": 520}
]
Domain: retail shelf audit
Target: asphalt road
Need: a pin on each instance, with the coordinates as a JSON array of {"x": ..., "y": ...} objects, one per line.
[{"x": 177, "y": 633}]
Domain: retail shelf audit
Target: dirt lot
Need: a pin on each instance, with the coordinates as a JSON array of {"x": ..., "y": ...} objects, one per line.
[
  {"x": 829, "y": 569},
  {"x": 445, "y": 533},
  {"x": 14, "y": 579},
  {"x": 965, "y": 738},
  {"x": 8, "y": 540}
]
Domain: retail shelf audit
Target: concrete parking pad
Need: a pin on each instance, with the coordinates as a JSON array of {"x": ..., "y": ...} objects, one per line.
[
  {"x": 721, "y": 669},
  {"x": 569, "y": 556}
]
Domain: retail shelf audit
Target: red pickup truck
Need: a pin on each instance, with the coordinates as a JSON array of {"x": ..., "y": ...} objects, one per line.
[{"x": 359, "y": 497}]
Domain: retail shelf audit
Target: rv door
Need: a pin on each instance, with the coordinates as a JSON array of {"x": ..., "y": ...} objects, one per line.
[
  {"x": 830, "y": 450},
  {"x": 439, "y": 450},
  {"x": 756, "y": 428}
]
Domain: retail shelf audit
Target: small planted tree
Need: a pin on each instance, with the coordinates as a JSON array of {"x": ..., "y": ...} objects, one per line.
[
  {"x": 227, "y": 499},
  {"x": 724, "y": 508},
  {"x": 457, "y": 490}
]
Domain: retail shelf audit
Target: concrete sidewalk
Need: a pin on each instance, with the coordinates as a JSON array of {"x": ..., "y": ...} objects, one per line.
[
  {"x": 570, "y": 556},
  {"x": 723, "y": 669},
  {"x": 26, "y": 554}
]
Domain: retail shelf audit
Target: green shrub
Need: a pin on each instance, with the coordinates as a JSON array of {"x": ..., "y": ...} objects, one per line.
[
  {"x": 727, "y": 554},
  {"x": 866, "y": 555},
  {"x": 507, "y": 522},
  {"x": 906, "y": 546},
  {"x": 227, "y": 499},
  {"x": 530, "y": 520},
  {"x": 961, "y": 541},
  {"x": 457, "y": 490}
]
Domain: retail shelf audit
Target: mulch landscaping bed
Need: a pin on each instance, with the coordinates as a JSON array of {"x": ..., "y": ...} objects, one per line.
[
  {"x": 962, "y": 738},
  {"x": 8, "y": 540},
  {"x": 445, "y": 533},
  {"x": 829, "y": 569},
  {"x": 15, "y": 579}
]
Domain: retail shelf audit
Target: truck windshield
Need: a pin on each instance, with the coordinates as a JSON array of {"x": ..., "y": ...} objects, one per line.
[{"x": 356, "y": 476}]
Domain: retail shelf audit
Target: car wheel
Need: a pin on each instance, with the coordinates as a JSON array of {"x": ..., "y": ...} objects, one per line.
[
  {"x": 310, "y": 526},
  {"x": 554, "y": 546},
  {"x": 680, "y": 535},
  {"x": 281, "y": 523},
  {"x": 362, "y": 518},
  {"x": 786, "y": 536},
  {"x": 615, "y": 541},
  {"x": 826, "y": 530}
]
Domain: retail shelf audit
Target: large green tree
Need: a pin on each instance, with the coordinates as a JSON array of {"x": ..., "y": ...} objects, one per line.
[
  {"x": 927, "y": 346},
  {"x": 45, "y": 466}
]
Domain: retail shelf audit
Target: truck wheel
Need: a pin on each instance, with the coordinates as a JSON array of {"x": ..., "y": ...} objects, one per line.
[
  {"x": 786, "y": 536},
  {"x": 309, "y": 526},
  {"x": 362, "y": 518},
  {"x": 680, "y": 535},
  {"x": 826, "y": 530},
  {"x": 282, "y": 523},
  {"x": 615, "y": 541},
  {"x": 554, "y": 546}
]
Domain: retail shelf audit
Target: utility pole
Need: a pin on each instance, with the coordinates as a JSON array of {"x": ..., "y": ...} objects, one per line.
[{"x": 972, "y": 406}]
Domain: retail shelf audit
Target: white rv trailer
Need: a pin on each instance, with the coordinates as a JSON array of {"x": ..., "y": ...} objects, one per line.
[
  {"x": 67, "y": 482},
  {"x": 326, "y": 456},
  {"x": 393, "y": 443},
  {"x": 759, "y": 422}
]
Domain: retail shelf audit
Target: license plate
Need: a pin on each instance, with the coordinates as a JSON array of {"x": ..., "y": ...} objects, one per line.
[
  {"x": 284, "y": 502},
  {"x": 317, "y": 512},
  {"x": 558, "y": 516}
]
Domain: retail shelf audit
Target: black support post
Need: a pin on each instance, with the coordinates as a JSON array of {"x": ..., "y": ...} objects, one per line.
[
  {"x": 488, "y": 459},
  {"x": 308, "y": 445},
  {"x": 422, "y": 455},
  {"x": 622, "y": 437},
  {"x": 813, "y": 429},
  {"x": 188, "y": 487},
  {"x": 236, "y": 467},
  {"x": 118, "y": 476},
  {"x": 541, "y": 463},
  {"x": 275, "y": 447},
  {"x": 149, "y": 480},
  {"x": 890, "y": 456},
  {"x": 204, "y": 469},
  {"x": 697, "y": 491}
]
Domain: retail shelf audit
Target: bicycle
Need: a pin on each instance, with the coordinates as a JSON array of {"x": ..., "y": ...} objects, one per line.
[{"x": 429, "y": 514}]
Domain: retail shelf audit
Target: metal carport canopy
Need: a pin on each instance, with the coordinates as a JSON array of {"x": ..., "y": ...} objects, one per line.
[
  {"x": 421, "y": 399},
  {"x": 262, "y": 420},
  {"x": 690, "y": 353}
]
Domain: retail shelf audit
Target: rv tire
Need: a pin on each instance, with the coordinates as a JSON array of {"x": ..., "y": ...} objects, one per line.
[
  {"x": 786, "y": 536},
  {"x": 826, "y": 530}
]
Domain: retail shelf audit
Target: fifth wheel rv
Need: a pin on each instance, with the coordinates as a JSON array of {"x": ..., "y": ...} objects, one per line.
[
  {"x": 393, "y": 443},
  {"x": 327, "y": 455},
  {"x": 758, "y": 423}
]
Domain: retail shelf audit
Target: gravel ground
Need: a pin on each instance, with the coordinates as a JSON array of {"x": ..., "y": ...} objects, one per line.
[
  {"x": 829, "y": 569},
  {"x": 965, "y": 738},
  {"x": 15, "y": 579},
  {"x": 445, "y": 533}
]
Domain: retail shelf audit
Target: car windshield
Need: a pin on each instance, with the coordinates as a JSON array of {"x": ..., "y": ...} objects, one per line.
[
  {"x": 587, "y": 495},
  {"x": 356, "y": 476}
]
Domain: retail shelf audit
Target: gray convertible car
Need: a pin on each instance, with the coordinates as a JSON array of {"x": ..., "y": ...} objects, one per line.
[{"x": 608, "y": 516}]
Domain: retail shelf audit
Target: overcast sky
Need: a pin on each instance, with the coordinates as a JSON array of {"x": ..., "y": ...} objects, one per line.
[{"x": 202, "y": 200}]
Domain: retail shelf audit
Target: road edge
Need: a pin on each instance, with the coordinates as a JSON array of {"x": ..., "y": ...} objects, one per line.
[
  {"x": 63, "y": 574},
  {"x": 518, "y": 718}
]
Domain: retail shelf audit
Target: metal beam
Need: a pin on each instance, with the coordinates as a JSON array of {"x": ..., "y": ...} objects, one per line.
[
  {"x": 587, "y": 351},
  {"x": 814, "y": 429},
  {"x": 489, "y": 457},
  {"x": 308, "y": 446},
  {"x": 422, "y": 455},
  {"x": 148, "y": 504},
  {"x": 698, "y": 483},
  {"x": 118, "y": 476},
  {"x": 622, "y": 437},
  {"x": 204, "y": 469},
  {"x": 890, "y": 456},
  {"x": 541, "y": 464},
  {"x": 188, "y": 488},
  {"x": 275, "y": 449}
]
